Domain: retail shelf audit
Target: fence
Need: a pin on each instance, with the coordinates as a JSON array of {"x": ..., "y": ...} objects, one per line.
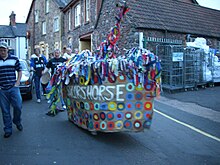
[{"x": 184, "y": 67}]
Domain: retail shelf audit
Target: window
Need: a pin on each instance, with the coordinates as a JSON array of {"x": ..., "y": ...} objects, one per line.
[
  {"x": 69, "y": 20},
  {"x": 46, "y": 6},
  {"x": 43, "y": 27},
  {"x": 87, "y": 10},
  {"x": 77, "y": 15},
  {"x": 36, "y": 15},
  {"x": 56, "y": 24}
]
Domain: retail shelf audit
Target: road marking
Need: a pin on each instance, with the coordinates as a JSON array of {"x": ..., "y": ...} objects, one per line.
[{"x": 189, "y": 126}]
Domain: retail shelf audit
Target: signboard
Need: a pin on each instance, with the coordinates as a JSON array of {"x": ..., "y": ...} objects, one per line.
[{"x": 177, "y": 56}]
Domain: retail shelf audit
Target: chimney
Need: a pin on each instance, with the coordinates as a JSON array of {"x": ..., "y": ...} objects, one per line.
[{"x": 12, "y": 19}]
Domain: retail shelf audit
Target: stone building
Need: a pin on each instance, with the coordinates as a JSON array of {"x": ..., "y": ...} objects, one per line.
[
  {"x": 45, "y": 25},
  {"x": 84, "y": 24}
]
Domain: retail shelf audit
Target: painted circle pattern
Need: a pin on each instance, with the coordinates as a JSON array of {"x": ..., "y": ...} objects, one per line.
[
  {"x": 110, "y": 115},
  {"x": 139, "y": 87},
  {"x": 137, "y": 124},
  {"x": 119, "y": 115},
  {"x": 129, "y": 106},
  {"x": 148, "y": 105},
  {"x": 112, "y": 106},
  {"x": 102, "y": 116},
  {"x": 96, "y": 106},
  {"x": 95, "y": 116},
  {"x": 127, "y": 124},
  {"x": 128, "y": 115},
  {"x": 138, "y": 115},
  {"x": 139, "y": 105},
  {"x": 138, "y": 96},
  {"x": 104, "y": 106},
  {"x": 129, "y": 96},
  {"x": 121, "y": 106},
  {"x": 87, "y": 107},
  {"x": 118, "y": 124},
  {"x": 149, "y": 96},
  {"x": 130, "y": 87},
  {"x": 111, "y": 125},
  {"x": 103, "y": 125}
]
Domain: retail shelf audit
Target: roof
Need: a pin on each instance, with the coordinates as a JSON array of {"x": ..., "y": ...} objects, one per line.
[
  {"x": 62, "y": 3},
  {"x": 176, "y": 16},
  {"x": 7, "y": 31}
]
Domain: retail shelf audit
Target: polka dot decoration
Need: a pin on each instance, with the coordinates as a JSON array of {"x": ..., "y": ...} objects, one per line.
[
  {"x": 138, "y": 96},
  {"x": 148, "y": 105},
  {"x": 96, "y": 106},
  {"x": 118, "y": 124},
  {"x": 129, "y": 96},
  {"x": 119, "y": 116},
  {"x": 110, "y": 125},
  {"x": 121, "y": 106},
  {"x": 130, "y": 87},
  {"x": 138, "y": 115},
  {"x": 129, "y": 106},
  {"x": 110, "y": 115},
  {"x": 112, "y": 106},
  {"x": 87, "y": 107},
  {"x": 104, "y": 106},
  {"x": 138, "y": 105},
  {"x": 103, "y": 125},
  {"x": 127, "y": 124}
]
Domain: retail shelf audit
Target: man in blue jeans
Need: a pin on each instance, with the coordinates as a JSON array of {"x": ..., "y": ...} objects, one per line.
[
  {"x": 9, "y": 90},
  {"x": 38, "y": 63}
]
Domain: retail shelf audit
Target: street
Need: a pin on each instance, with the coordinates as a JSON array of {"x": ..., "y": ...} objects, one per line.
[{"x": 177, "y": 136}]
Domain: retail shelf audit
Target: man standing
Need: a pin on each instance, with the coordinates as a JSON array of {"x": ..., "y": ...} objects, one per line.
[
  {"x": 9, "y": 91},
  {"x": 38, "y": 63},
  {"x": 52, "y": 64}
]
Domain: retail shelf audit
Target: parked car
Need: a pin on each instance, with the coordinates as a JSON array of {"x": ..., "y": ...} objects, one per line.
[{"x": 26, "y": 83}]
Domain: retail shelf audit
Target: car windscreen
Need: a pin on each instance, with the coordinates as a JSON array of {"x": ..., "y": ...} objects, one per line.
[{"x": 23, "y": 65}]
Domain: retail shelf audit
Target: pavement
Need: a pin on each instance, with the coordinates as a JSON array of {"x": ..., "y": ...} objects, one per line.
[{"x": 208, "y": 97}]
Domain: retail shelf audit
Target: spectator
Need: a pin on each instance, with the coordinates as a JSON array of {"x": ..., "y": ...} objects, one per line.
[
  {"x": 9, "y": 92},
  {"x": 52, "y": 64},
  {"x": 68, "y": 54},
  {"x": 38, "y": 63}
]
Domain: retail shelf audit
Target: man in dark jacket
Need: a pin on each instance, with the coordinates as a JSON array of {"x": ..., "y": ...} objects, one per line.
[{"x": 38, "y": 63}]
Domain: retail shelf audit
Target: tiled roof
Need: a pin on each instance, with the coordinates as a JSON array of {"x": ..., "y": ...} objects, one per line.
[
  {"x": 7, "y": 31},
  {"x": 172, "y": 15}
]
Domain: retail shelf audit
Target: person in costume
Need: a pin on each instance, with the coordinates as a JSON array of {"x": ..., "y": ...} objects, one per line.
[
  {"x": 38, "y": 63},
  {"x": 52, "y": 64},
  {"x": 9, "y": 91}
]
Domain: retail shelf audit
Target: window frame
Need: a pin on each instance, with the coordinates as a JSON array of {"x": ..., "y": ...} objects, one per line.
[
  {"x": 56, "y": 25},
  {"x": 36, "y": 16},
  {"x": 69, "y": 20},
  {"x": 77, "y": 14},
  {"x": 44, "y": 28},
  {"x": 87, "y": 10},
  {"x": 46, "y": 6}
]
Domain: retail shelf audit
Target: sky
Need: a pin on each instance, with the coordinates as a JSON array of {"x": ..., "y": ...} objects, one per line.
[{"x": 21, "y": 8}]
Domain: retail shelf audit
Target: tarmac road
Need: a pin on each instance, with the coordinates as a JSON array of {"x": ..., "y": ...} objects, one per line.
[{"x": 54, "y": 140}]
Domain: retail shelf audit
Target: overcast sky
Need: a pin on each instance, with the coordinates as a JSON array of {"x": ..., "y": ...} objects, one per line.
[{"x": 21, "y": 8}]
